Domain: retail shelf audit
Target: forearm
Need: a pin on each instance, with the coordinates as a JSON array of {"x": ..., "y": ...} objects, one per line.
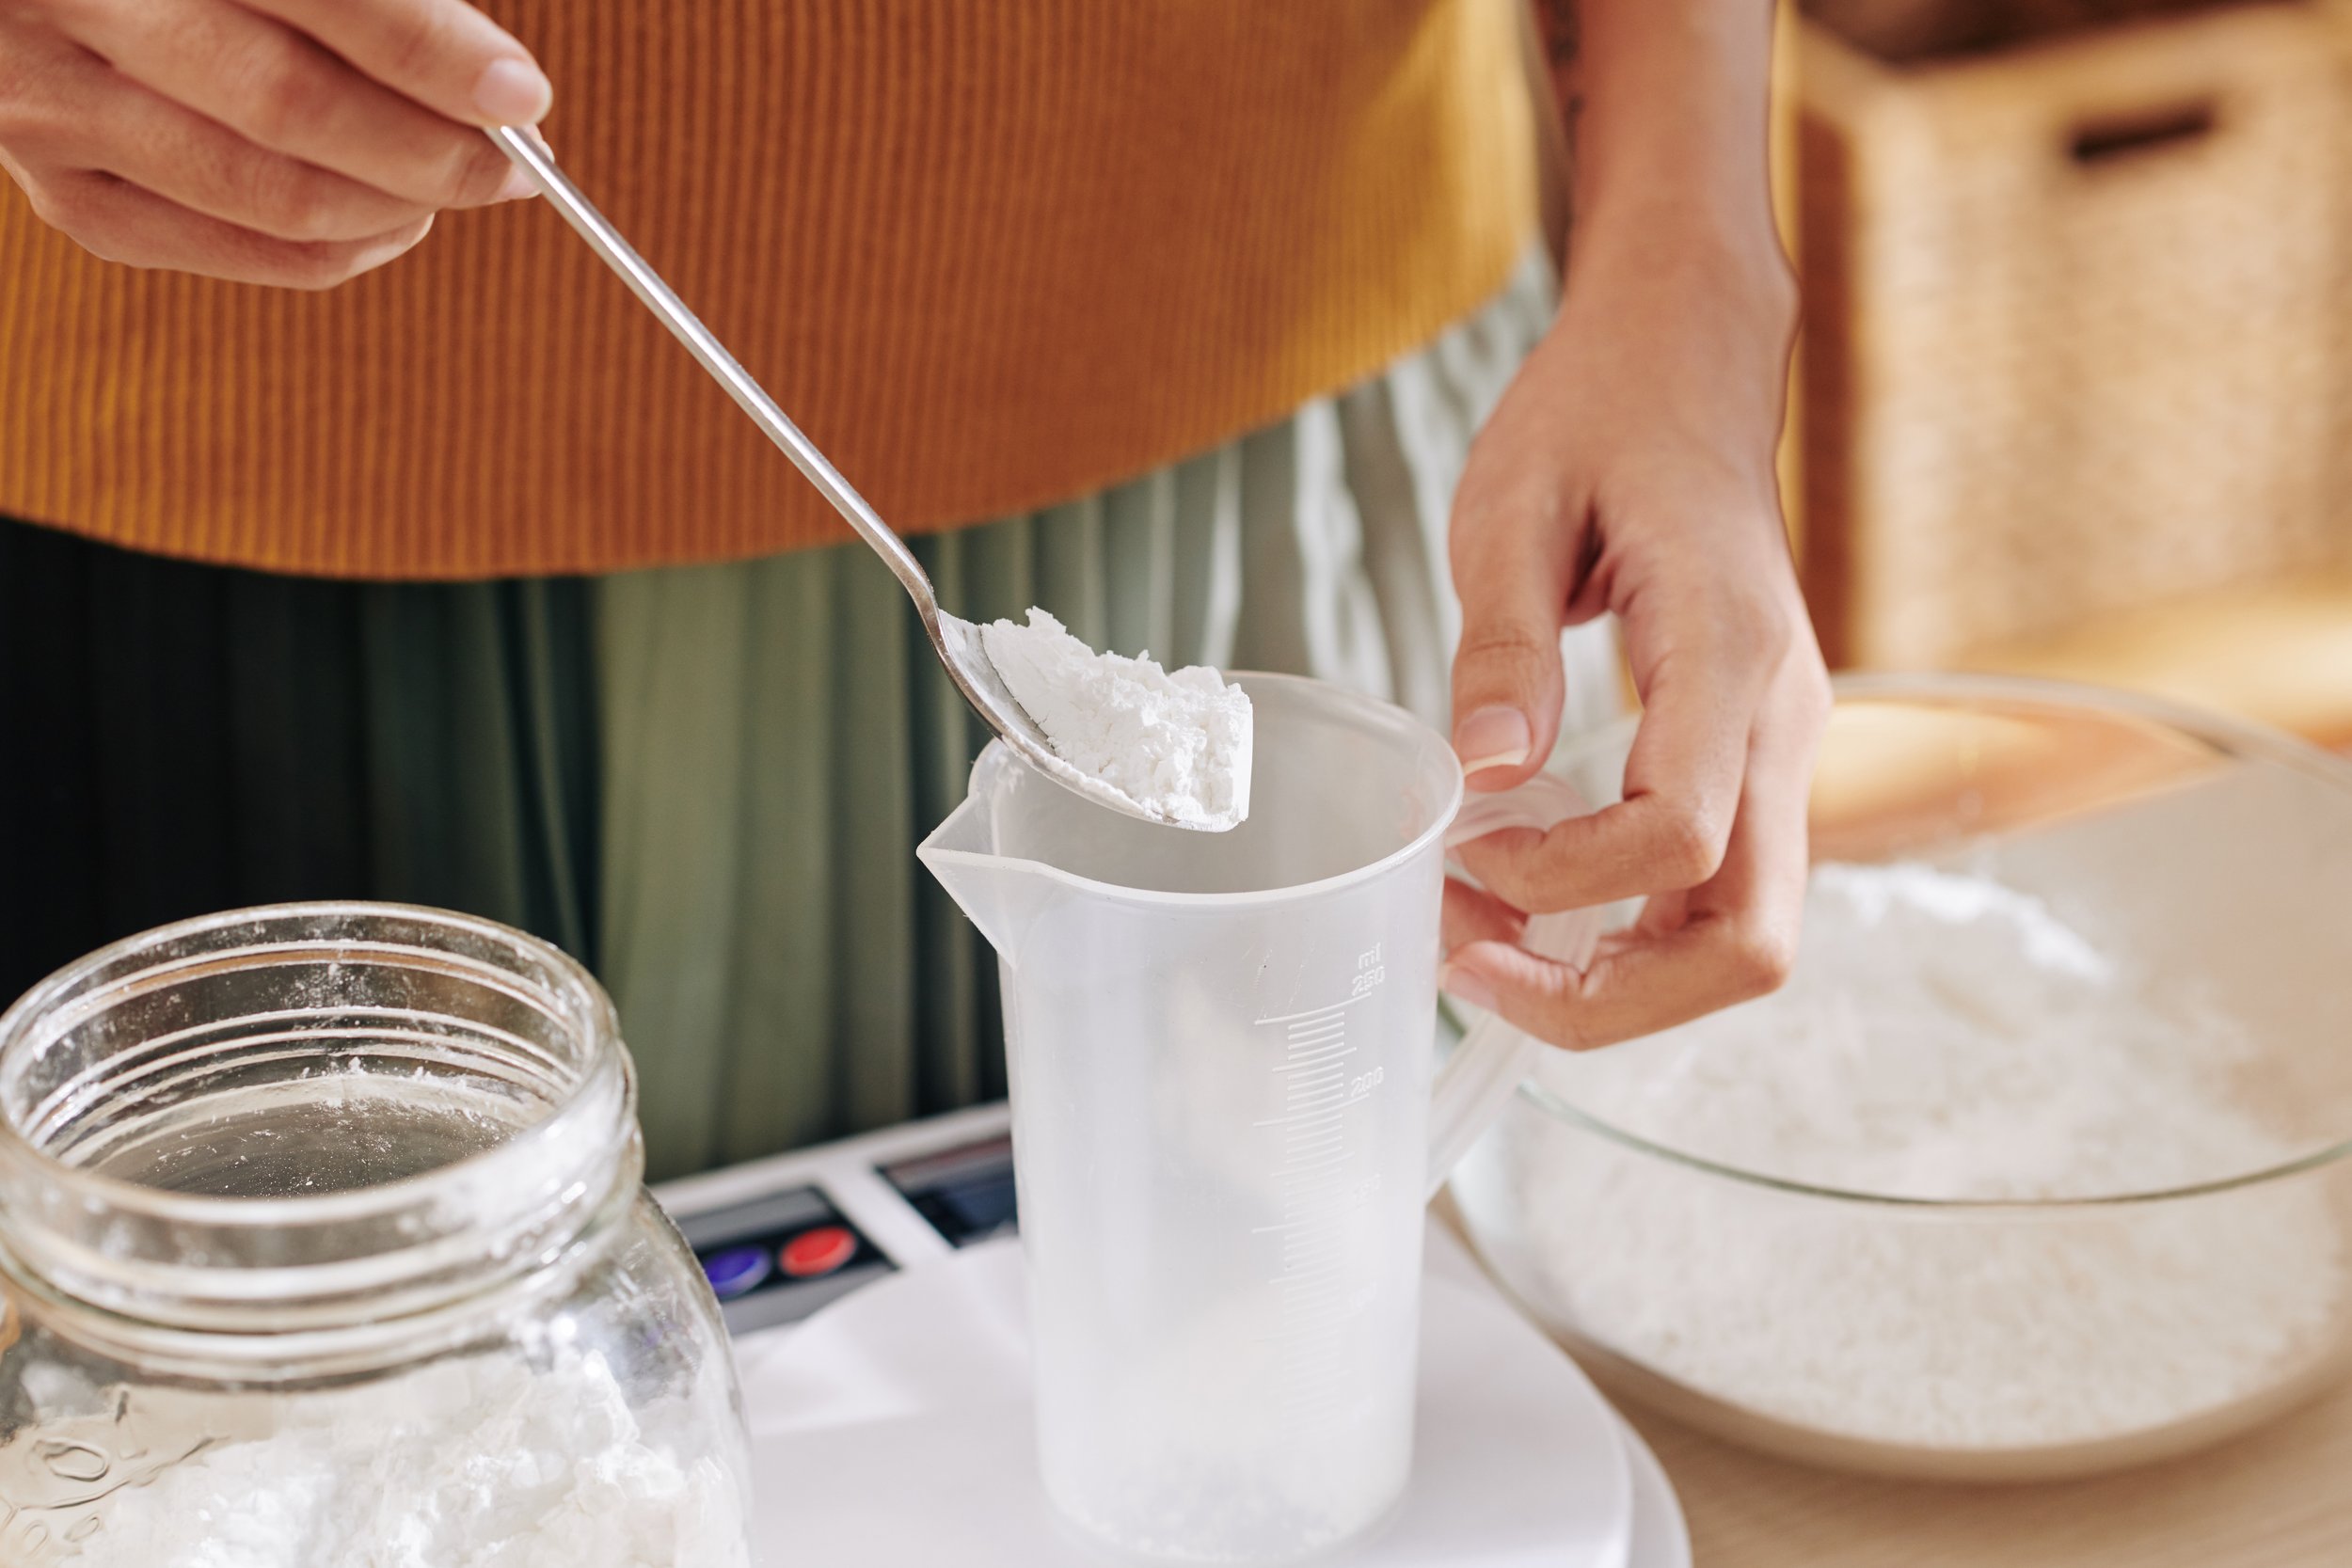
[
  {"x": 1668, "y": 103},
  {"x": 1676, "y": 275}
]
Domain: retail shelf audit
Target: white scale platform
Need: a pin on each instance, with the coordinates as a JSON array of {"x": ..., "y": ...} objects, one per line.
[{"x": 891, "y": 1428}]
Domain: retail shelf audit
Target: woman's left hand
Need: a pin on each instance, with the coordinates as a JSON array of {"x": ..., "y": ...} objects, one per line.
[{"x": 1630, "y": 469}]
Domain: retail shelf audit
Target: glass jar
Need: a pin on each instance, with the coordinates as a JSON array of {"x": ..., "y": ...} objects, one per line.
[{"x": 323, "y": 1244}]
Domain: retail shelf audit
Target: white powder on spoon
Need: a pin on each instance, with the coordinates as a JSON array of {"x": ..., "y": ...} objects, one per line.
[{"x": 1178, "y": 745}]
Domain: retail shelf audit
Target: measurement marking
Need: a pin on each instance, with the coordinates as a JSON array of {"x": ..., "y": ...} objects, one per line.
[
  {"x": 1297, "y": 1119},
  {"x": 1322, "y": 1051},
  {"x": 1304, "y": 1259},
  {"x": 1317, "y": 1187},
  {"x": 1304, "y": 1151},
  {"x": 1321, "y": 1251},
  {"x": 1317, "y": 1012}
]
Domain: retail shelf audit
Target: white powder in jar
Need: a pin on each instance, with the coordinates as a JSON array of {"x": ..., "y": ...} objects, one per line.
[
  {"x": 1943, "y": 1036},
  {"x": 481, "y": 1463},
  {"x": 1179, "y": 745}
]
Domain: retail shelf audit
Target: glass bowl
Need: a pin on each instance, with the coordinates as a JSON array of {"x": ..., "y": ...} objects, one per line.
[{"x": 2037, "y": 1168}]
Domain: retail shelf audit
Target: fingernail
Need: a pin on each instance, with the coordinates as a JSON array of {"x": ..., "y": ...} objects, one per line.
[
  {"x": 1492, "y": 737},
  {"x": 512, "y": 93},
  {"x": 1463, "y": 986},
  {"x": 516, "y": 185}
]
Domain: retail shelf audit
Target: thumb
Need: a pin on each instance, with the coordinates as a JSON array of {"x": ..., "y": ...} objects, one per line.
[
  {"x": 1537, "y": 995},
  {"x": 1512, "y": 571}
]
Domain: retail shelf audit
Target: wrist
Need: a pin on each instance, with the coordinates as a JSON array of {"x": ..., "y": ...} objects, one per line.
[
  {"x": 1690, "y": 327},
  {"x": 1688, "y": 251}
]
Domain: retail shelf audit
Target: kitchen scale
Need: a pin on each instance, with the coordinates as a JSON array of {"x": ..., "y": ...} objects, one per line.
[{"x": 894, "y": 1428}]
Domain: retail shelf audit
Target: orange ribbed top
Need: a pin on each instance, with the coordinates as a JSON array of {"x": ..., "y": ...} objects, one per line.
[{"x": 988, "y": 255}]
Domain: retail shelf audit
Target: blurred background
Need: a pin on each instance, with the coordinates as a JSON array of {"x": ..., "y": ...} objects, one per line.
[{"x": 2074, "y": 395}]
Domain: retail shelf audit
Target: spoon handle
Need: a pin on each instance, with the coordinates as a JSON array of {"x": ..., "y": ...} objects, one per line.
[{"x": 530, "y": 154}]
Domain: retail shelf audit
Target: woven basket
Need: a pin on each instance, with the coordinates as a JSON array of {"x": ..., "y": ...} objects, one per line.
[{"x": 2079, "y": 323}]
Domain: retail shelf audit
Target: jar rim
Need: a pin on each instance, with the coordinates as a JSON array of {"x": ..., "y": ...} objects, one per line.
[{"x": 412, "y": 1242}]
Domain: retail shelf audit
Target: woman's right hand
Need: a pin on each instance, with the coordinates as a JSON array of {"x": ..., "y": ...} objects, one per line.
[{"x": 291, "y": 142}]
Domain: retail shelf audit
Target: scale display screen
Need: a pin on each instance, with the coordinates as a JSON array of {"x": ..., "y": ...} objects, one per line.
[{"x": 966, "y": 1192}]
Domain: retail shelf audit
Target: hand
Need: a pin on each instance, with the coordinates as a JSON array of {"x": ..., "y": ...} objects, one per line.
[
  {"x": 1630, "y": 469},
  {"x": 294, "y": 142}
]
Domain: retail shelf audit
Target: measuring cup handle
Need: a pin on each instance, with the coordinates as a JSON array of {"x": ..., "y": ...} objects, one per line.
[{"x": 1494, "y": 1059}]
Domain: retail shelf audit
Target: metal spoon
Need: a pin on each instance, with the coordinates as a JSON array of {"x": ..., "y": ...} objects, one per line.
[{"x": 956, "y": 641}]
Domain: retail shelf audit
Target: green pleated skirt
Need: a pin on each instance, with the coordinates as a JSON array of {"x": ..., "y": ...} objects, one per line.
[{"x": 707, "y": 782}]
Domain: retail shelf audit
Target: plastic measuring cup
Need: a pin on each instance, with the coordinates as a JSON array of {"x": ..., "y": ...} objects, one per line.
[{"x": 1222, "y": 1049}]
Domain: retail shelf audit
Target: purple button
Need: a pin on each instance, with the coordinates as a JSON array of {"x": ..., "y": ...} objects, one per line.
[{"x": 738, "y": 1270}]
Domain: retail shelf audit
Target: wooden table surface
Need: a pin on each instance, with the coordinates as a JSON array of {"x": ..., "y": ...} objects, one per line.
[{"x": 2277, "y": 1497}]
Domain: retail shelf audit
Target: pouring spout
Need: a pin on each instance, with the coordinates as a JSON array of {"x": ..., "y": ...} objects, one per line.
[{"x": 1002, "y": 895}]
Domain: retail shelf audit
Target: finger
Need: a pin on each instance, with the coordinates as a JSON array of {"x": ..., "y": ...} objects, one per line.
[
  {"x": 1663, "y": 912},
  {"x": 119, "y": 222},
  {"x": 148, "y": 141},
  {"x": 1514, "y": 560},
  {"x": 444, "y": 53},
  {"x": 1702, "y": 672},
  {"x": 1774, "y": 846},
  {"x": 284, "y": 92},
  {"x": 1730, "y": 940},
  {"x": 1635, "y": 985},
  {"x": 1469, "y": 915}
]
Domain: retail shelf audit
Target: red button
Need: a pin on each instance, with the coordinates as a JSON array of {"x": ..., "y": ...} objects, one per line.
[{"x": 818, "y": 1251}]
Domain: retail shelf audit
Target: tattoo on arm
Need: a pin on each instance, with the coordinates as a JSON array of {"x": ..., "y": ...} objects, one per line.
[
  {"x": 1556, "y": 19},
  {"x": 1556, "y": 24}
]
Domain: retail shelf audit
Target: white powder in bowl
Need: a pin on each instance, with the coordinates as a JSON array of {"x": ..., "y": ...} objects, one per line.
[
  {"x": 1177, "y": 744},
  {"x": 481, "y": 1462},
  {"x": 1943, "y": 1036}
]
